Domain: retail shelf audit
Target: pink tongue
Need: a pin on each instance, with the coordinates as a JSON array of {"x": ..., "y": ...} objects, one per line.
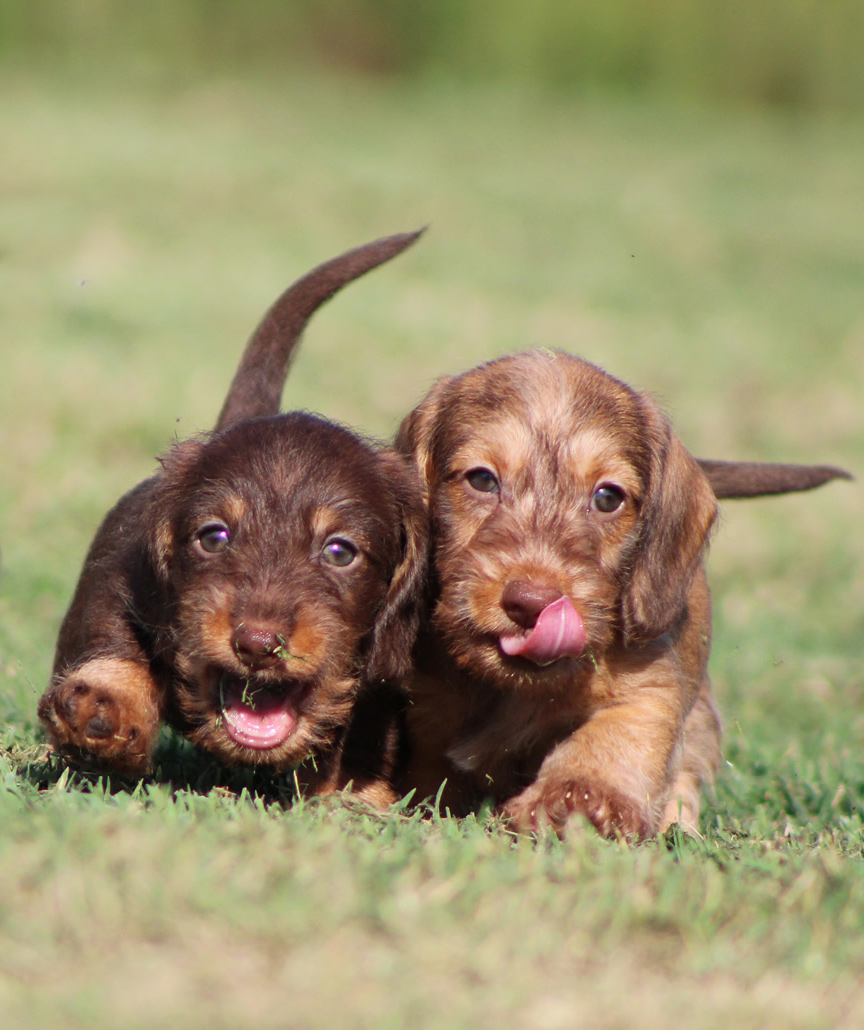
[
  {"x": 559, "y": 632},
  {"x": 261, "y": 721}
]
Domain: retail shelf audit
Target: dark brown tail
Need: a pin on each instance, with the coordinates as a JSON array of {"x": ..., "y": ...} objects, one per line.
[
  {"x": 256, "y": 389},
  {"x": 739, "y": 479}
]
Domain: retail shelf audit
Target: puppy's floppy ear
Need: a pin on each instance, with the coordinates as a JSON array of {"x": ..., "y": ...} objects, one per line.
[
  {"x": 395, "y": 628},
  {"x": 170, "y": 490},
  {"x": 416, "y": 436},
  {"x": 676, "y": 518}
]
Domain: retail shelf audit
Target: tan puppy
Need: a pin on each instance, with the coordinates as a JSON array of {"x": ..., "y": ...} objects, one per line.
[{"x": 563, "y": 668}]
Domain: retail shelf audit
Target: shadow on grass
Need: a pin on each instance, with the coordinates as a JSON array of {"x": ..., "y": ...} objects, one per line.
[{"x": 177, "y": 765}]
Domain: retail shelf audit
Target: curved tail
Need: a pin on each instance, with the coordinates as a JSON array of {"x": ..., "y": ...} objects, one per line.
[
  {"x": 740, "y": 479},
  {"x": 256, "y": 389}
]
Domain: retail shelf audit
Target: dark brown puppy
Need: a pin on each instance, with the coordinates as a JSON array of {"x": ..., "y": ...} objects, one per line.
[
  {"x": 563, "y": 667},
  {"x": 270, "y": 571},
  {"x": 252, "y": 590}
]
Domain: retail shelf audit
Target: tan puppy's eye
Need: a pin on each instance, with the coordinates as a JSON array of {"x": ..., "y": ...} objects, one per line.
[
  {"x": 607, "y": 498},
  {"x": 212, "y": 537},
  {"x": 484, "y": 481}
]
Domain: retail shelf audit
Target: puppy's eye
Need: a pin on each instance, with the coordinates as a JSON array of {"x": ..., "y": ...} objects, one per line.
[
  {"x": 483, "y": 481},
  {"x": 339, "y": 552},
  {"x": 213, "y": 537},
  {"x": 607, "y": 498}
]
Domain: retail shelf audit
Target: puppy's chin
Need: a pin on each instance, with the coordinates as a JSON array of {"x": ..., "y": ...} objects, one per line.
[{"x": 259, "y": 720}]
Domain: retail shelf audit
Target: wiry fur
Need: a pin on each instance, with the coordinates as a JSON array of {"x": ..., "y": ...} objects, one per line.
[
  {"x": 626, "y": 733},
  {"x": 162, "y": 627},
  {"x": 176, "y": 635}
]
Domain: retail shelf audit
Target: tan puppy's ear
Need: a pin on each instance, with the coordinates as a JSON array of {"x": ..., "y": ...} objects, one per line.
[
  {"x": 676, "y": 518},
  {"x": 418, "y": 432},
  {"x": 170, "y": 489},
  {"x": 395, "y": 629}
]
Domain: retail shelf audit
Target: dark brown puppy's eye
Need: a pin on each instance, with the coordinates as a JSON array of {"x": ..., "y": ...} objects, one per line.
[
  {"x": 483, "y": 481},
  {"x": 607, "y": 498},
  {"x": 213, "y": 537},
  {"x": 339, "y": 552}
]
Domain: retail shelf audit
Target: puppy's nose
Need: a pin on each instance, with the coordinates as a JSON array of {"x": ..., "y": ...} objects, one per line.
[
  {"x": 257, "y": 646},
  {"x": 523, "y": 601}
]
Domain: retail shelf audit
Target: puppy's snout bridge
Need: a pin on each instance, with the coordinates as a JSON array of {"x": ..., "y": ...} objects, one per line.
[{"x": 523, "y": 601}]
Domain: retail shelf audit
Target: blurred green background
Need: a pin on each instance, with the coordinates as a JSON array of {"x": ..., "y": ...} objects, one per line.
[
  {"x": 793, "y": 53},
  {"x": 674, "y": 190}
]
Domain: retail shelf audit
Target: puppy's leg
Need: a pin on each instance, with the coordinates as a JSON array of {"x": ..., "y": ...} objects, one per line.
[
  {"x": 105, "y": 714},
  {"x": 367, "y": 755},
  {"x": 616, "y": 770},
  {"x": 702, "y": 733},
  {"x": 102, "y": 707},
  {"x": 620, "y": 767}
]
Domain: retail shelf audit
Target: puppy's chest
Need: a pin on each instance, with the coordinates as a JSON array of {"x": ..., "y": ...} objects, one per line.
[{"x": 510, "y": 734}]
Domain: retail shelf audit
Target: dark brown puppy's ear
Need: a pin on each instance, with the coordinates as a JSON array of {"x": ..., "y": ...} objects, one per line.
[
  {"x": 676, "y": 518},
  {"x": 165, "y": 502},
  {"x": 395, "y": 629}
]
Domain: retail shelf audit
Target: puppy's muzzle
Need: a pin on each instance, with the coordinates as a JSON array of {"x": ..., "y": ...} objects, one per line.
[
  {"x": 258, "y": 646},
  {"x": 553, "y": 628},
  {"x": 260, "y": 708}
]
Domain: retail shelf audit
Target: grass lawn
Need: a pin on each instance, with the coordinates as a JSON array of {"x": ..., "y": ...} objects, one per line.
[{"x": 714, "y": 258}]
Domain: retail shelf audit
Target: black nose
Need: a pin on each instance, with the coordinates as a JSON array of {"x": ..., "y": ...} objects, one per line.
[
  {"x": 523, "y": 601},
  {"x": 259, "y": 647}
]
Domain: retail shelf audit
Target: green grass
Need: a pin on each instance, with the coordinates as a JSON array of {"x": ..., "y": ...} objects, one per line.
[{"x": 712, "y": 258}]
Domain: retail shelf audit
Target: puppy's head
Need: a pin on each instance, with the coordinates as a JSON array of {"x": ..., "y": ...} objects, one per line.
[
  {"x": 565, "y": 515},
  {"x": 290, "y": 551}
]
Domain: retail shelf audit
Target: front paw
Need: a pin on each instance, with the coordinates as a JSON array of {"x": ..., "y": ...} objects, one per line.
[
  {"x": 553, "y": 803},
  {"x": 104, "y": 715}
]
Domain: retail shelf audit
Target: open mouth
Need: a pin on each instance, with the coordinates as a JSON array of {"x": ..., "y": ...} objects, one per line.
[{"x": 256, "y": 715}]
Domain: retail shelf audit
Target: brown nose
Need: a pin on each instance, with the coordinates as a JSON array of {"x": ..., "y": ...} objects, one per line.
[
  {"x": 523, "y": 601},
  {"x": 257, "y": 646}
]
